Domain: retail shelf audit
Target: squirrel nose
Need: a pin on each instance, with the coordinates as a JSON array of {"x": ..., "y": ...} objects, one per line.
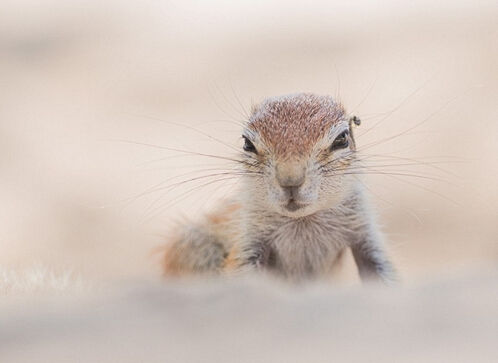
[{"x": 290, "y": 177}]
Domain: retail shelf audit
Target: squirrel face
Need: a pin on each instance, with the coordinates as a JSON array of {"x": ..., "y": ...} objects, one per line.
[{"x": 300, "y": 148}]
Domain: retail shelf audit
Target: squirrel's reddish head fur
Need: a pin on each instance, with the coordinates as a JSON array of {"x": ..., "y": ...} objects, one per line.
[{"x": 291, "y": 125}]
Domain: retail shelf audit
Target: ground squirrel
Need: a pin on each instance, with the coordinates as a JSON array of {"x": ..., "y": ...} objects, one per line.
[{"x": 300, "y": 203}]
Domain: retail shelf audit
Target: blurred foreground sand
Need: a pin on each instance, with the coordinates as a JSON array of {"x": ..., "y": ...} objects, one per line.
[{"x": 260, "y": 321}]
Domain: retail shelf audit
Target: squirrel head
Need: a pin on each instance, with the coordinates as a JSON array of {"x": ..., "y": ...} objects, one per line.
[{"x": 298, "y": 149}]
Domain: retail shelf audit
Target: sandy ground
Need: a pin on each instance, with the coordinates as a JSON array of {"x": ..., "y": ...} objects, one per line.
[
  {"x": 84, "y": 85},
  {"x": 261, "y": 321}
]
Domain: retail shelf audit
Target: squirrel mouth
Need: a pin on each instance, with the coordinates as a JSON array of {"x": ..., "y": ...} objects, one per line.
[{"x": 293, "y": 206}]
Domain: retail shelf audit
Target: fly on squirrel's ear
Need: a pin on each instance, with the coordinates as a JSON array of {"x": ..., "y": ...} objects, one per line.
[
  {"x": 354, "y": 120},
  {"x": 357, "y": 122}
]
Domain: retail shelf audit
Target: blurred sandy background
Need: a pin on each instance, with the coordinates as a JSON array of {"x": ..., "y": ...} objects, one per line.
[{"x": 82, "y": 80}]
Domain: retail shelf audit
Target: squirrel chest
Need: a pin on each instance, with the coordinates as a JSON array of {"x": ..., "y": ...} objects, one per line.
[{"x": 305, "y": 247}]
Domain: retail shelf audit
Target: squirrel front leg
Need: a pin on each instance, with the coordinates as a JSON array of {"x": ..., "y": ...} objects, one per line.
[
  {"x": 372, "y": 260},
  {"x": 248, "y": 256}
]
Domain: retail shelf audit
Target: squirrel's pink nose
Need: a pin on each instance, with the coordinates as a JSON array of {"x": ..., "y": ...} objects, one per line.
[{"x": 290, "y": 175}]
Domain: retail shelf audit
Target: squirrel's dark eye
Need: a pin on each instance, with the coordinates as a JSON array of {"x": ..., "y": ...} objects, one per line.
[
  {"x": 249, "y": 146},
  {"x": 340, "y": 141}
]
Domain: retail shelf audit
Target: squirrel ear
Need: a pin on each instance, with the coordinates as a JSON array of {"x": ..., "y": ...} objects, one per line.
[{"x": 254, "y": 108}]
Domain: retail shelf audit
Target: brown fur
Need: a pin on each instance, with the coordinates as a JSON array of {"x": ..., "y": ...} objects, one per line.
[
  {"x": 232, "y": 261},
  {"x": 181, "y": 254},
  {"x": 289, "y": 127}
]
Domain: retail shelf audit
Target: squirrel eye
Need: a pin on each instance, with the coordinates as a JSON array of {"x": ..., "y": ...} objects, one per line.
[
  {"x": 340, "y": 141},
  {"x": 249, "y": 146}
]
